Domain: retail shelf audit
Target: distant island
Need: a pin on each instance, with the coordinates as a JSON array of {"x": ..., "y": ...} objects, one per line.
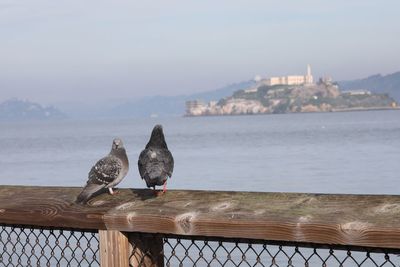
[
  {"x": 291, "y": 94},
  {"x": 21, "y": 110},
  {"x": 246, "y": 97}
]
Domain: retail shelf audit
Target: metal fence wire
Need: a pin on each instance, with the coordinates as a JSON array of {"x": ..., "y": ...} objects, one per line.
[
  {"x": 29, "y": 246},
  {"x": 200, "y": 251}
]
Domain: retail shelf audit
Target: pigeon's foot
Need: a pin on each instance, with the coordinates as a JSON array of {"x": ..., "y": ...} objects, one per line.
[
  {"x": 164, "y": 190},
  {"x": 112, "y": 192}
]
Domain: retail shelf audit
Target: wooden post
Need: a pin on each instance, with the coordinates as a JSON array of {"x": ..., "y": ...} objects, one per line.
[
  {"x": 147, "y": 250},
  {"x": 114, "y": 248}
]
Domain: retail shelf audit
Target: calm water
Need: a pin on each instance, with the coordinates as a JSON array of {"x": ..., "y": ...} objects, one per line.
[{"x": 355, "y": 152}]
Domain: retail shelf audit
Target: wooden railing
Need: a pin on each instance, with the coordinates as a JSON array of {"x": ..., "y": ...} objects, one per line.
[{"x": 359, "y": 222}]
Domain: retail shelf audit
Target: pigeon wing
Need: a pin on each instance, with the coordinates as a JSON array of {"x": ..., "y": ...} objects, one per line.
[
  {"x": 102, "y": 173},
  {"x": 105, "y": 171},
  {"x": 168, "y": 162},
  {"x": 142, "y": 163}
]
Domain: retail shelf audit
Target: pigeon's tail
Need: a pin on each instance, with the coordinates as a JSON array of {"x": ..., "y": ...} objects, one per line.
[
  {"x": 88, "y": 191},
  {"x": 155, "y": 177}
]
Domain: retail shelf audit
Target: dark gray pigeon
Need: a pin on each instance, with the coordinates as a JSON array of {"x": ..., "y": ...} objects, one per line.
[
  {"x": 156, "y": 163},
  {"x": 107, "y": 172}
]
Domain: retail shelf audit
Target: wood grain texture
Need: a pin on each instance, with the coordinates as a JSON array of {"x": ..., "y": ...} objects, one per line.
[
  {"x": 114, "y": 248},
  {"x": 48, "y": 206},
  {"x": 360, "y": 220}
]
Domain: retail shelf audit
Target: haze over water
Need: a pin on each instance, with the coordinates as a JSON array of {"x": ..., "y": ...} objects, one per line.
[{"x": 356, "y": 152}]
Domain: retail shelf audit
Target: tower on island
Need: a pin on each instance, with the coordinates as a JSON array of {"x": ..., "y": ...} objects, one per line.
[{"x": 308, "y": 79}]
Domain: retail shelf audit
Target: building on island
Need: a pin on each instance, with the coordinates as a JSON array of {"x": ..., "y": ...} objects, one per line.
[
  {"x": 291, "y": 79},
  {"x": 195, "y": 107},
  {"x": 194, "y": 104}
]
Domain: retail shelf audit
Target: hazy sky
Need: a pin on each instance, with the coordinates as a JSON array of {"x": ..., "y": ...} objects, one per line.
[{"x": 53, "y": 51}]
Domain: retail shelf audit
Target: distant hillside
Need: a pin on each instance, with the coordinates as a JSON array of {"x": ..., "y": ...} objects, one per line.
[
  {"x": 221, "y": 92},
  {"x": 170, "y": 105},
  {"x": 389, "y": 84},
  {"x": 17, "y": 110}
]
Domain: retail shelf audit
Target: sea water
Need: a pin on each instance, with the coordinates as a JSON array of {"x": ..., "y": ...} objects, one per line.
[
  {"x": 345, "y": 152},
  {"x": 352, "y": 152}
]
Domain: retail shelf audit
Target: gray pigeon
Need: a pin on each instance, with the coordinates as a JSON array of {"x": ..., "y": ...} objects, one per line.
[
  {"x": 155, "y": 162},
  {"x": 107, "y": 172}
]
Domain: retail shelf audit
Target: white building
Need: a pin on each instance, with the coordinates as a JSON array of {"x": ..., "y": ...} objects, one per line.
[
  {"x": 195, "y": 107},
  {"x": 291, "y": 79}
]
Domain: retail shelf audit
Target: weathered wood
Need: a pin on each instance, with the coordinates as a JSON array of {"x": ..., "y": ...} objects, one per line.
[
  {"x": 147, "y": 250},
  {"x": 114, "y": 248},
  {"x": 49, "y": 206},
  {"x": 359, "y": 220}
]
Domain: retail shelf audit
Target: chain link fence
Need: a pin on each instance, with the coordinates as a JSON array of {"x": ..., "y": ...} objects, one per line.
[
  {"x": 29, "y": 246},
  {"x": 200, "y": 251}
]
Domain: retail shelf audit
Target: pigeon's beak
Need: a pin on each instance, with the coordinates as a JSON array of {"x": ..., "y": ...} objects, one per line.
[{"x": 117, "y": 144}]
